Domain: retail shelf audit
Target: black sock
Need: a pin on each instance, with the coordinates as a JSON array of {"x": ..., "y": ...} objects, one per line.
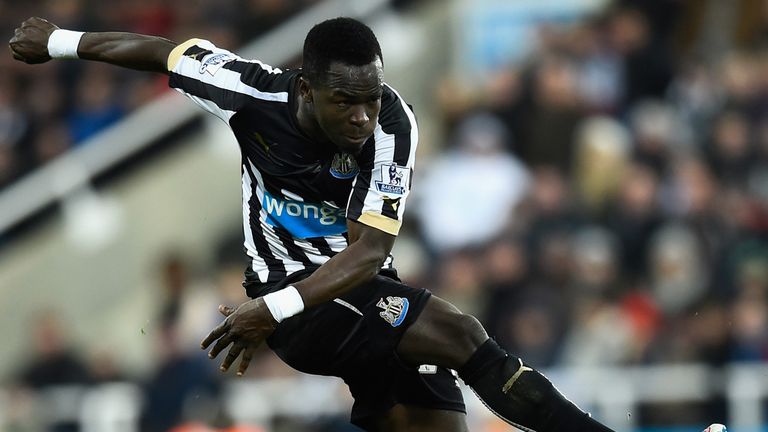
[{"x": 520, "y": 395}]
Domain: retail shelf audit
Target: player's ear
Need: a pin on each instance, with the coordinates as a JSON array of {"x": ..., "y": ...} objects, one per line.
[{"x": 305, "y": 90}]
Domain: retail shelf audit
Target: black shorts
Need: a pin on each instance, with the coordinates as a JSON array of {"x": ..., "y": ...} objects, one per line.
[{"x": 354, "y": 337}]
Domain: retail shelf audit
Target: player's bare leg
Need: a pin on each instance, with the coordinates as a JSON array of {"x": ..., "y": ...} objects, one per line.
[
  {"x": 409, "y": 418},
  {"x": 515, "y": 392}
]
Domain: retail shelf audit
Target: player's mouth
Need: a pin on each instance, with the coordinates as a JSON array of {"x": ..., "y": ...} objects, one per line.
[{"x": 356, "y": 140}]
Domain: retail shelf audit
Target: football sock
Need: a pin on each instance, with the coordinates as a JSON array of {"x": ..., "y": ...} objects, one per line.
[{"x": 520, "y": 395}]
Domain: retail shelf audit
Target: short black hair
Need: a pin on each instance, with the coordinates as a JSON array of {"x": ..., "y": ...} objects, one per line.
[{"x": 344, "y": 40}]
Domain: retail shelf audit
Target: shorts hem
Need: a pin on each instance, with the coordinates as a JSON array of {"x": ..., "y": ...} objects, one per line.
[{"x": 361, "y": 420}]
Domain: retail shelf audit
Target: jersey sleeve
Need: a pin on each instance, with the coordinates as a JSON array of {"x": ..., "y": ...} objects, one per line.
[
  {"x": 220, "y": 81},
  {"x": 383, "y": 184}
]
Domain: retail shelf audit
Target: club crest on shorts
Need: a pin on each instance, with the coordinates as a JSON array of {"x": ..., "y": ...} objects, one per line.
[
  {"x": 344, "y": 166},
  {"x": 395, "y": 310},
  {"x": 394, "y": 180}
]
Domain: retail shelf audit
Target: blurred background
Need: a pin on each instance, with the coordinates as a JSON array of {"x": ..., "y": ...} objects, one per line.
[{"x": 592, "y": 184}]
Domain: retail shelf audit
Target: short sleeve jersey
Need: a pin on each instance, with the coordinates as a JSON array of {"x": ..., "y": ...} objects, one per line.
[{"x": 297, "y": 193}]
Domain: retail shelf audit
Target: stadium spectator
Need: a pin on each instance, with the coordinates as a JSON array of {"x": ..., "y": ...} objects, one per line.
[
  {"x": 95, "y": 106},
  {"x": 53, "y": 369},
  {"x": 633, "y": 216},
  {"x": 475, "y": 181},
  {"x": 53, "y": 360},
  {"x": 182, "y": 387}
]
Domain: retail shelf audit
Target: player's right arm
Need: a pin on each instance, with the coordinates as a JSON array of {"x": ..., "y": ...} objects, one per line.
[
  {"x": 135, "y": 51},
  {"x": 215, "y": 79}
]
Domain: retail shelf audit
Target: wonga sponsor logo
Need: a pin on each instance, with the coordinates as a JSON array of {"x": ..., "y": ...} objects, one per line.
[{"x": 304, "y": 220}]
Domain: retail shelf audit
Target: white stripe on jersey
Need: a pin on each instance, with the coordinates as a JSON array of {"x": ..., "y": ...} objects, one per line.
[
  {"x": 273, "y": 241},
  {"x": 224, "y": 79},
  {"x": 336, "y": 243},
  {"x": 312, "y": 252},
  {"x": 385, "y": 151},
  {"x": 258, "y": 264}
]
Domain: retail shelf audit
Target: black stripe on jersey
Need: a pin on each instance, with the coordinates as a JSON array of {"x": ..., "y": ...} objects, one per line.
[
  {"x": 197, "y": 52},
  {"x": 254, "y": 75},
  {"x": 393, "y": 118},
  {"x": 321, "y": 244},
  {"x": 274, "y": 265},
  {"x": 395, "y": 121},
  {"x": 359, "y": 192},
  {"x": 402, "y": 148},
  {"x": 389, "y": 207},
  {"x": 294, "y": 251},
  {"x": 225, "y": 99}
]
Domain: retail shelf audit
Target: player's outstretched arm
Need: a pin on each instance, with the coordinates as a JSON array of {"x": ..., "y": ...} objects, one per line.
[
  {"x": 253, "y": 321},
  {"x": 35, "y": 42}
]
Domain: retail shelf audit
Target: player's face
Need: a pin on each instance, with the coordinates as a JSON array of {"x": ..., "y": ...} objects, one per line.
[{"x": 347, "y": 103}]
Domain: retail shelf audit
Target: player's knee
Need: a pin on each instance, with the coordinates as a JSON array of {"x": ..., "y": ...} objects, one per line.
[
  {"x": 442, "y": 335},
  {"x": 459, "y": 327},
  {"x": 464, "y": 334},
  {"x": 470, "y": 330}
]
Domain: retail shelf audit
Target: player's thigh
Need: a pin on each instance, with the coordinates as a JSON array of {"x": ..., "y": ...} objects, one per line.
[
  {"x": 410, "y": 418},
  {"x": 441, "y": 335}
]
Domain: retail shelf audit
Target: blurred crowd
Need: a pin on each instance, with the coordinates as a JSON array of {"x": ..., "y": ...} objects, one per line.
[
  {"x": 57, "y": 380},
  {"x": 48, "y": 109},
  {"x": 604, "y": 202}
]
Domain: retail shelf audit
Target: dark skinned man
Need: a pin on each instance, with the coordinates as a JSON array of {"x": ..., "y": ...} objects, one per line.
[{"x": 328, "y": 154}]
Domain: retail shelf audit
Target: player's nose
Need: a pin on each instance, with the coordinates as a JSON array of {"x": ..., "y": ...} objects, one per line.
[{"x": 359, "y": 117}]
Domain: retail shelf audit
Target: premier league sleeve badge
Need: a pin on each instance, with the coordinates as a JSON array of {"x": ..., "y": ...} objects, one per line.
[{"x": 394, "y": 180}]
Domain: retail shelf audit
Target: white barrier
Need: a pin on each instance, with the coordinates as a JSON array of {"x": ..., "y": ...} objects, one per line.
[{"x": 612, "y": 394}]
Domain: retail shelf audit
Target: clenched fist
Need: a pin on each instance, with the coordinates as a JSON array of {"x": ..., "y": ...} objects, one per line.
[{"x": 30, "y": 41}]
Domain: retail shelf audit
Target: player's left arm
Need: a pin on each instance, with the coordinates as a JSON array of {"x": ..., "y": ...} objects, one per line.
[
  {"x": 253, "y": 321},
  {"x": 362, "y": 260}
]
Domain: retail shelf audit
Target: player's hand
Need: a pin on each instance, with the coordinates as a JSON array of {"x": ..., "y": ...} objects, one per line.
[
  {"x": 245, "y": 328},
  {"x": 30, "y": 41}
]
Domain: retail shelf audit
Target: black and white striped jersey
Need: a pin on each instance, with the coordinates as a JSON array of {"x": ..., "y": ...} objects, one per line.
[{"x": 297, "y": 193}]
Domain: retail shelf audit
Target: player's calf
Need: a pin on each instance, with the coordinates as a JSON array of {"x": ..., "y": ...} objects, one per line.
[{"x": 520, "y": 395}]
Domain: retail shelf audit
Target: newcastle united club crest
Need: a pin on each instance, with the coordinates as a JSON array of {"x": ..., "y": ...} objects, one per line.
[
  {"x": 395, "y": 310},
  {"x": 344, "y": 166}
]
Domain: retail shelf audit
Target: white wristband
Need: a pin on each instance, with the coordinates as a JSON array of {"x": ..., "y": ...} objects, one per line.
[
  {"x": 62, "y": 44},
  {"x": 284, "y": 303}
]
